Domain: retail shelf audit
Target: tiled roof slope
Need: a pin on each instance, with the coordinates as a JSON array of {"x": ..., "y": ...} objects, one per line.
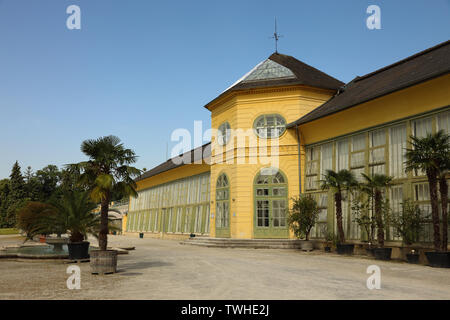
[
  {"x": 279, "y": 70},
  {"x": 170, "y": 164},
  {"x": 425, "y": 65}
]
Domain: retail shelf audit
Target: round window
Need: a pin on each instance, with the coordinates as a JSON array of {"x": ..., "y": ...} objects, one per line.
[
  {"x": 269, "y": 126},
  {"x": 223, "y": 134}
]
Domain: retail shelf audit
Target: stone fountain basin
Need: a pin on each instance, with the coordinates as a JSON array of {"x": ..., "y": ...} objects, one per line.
[
  {"x": 56, "y": 240},
  {"x": 42, "y": 251}
]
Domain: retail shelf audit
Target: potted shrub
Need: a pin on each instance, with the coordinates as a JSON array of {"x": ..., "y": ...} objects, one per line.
[
  {"x": 302, "y": 217},
  {"x": 366, "y": 221},
  {"x": 338, "y": 182},
  {"x": 408, "y": 224},
  {"x": 330, "y": 238},
  {"x": 106, "y": 173},
  {"x": 431, "y": 155},
  {"x": 374, "y": 186},
  {"x": 75, "y": 215}
]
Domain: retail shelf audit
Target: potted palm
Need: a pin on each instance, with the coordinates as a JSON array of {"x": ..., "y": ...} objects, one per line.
[
  {"x": 374, "y": 186},
  {"x": 338, "y": 182},
  {"x": 408, "y": 224},
  {"x": 107, "y": 172},
  {"x": 75, "y": 214},
  {"x": 302, "y": 218},
  {"x": 431, "y": 154}
]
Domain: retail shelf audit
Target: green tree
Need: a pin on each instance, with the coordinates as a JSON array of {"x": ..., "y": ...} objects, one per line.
[
  {"x": 16, "y": 195},
  {"x": 48, "y": 178},
  {"x": 338, "y": 182},
  {"x": 16, "y": 183},
  {"x": 431, "y": 154},
  {"x": 107, "y": 172},
  {"x": 4, "y": 196},
  {"x": 303, "y": 215},
  {"x": 30, "y": 219},
  {"x": 32, "y": 186},
  {"x": 374, "y": 186}
]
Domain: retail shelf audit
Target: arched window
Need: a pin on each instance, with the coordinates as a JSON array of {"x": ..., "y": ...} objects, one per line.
[
  {"x": 271, "y": 201},
  {"x": 269, "y": 126},
  {"x": 223, "y": 133},
  {"x": 222, "y": 202}
]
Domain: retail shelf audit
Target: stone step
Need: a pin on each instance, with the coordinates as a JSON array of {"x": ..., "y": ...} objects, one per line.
[{"x": 244, "y": 243}]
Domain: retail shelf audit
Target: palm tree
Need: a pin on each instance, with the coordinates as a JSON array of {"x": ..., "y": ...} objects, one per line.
[
  {"x": 107, "y": 172},
  {"x": 374, "y": 186},
  {"x": 431, "y": 154},
  {"x": 444, "y": 168},
  {"x": 338, "y": 182},
  {"x": 443, "y": 189}
]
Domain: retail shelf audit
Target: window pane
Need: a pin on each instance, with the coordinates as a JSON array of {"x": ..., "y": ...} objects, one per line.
[
  {"x": 358, "y": 159},
  {"x": 279, "y": 192},
  {"x": 376, "y": 156},
  {"x": 379, "y": 169},
  {"x": 422, "y": 127},
  {"x": 268, "y": 126},
  {"x": 263, "y": 213},
  {"x": 223, "y": 133},
  {"x": 326, "y": 158},
  {"x": 358, "y": 175},
  {"x": 342, "y": 155},
  {"x": 278, "y": 178},
  {"x": 443, "y": 122},
  {"x": 311, "y": 183},
  {"x": 359, "y": 142},
  {"x": 397, "y": 151},
  {"x": 377, "y": 138}
]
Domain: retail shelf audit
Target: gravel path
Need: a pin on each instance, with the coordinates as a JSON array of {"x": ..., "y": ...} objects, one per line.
[{"x": 164, "y": 269}]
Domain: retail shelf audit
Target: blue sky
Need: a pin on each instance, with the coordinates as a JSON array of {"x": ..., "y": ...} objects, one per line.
[{"x": 141, "y": 69}]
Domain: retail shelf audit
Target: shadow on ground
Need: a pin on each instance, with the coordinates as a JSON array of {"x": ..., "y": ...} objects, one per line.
[
  {"x": 124, "y": 273},
  {"x": 143, "y": 265}
]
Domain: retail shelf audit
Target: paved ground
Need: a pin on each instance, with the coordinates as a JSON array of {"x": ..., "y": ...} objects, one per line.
[{"x": 164, "y": 269}]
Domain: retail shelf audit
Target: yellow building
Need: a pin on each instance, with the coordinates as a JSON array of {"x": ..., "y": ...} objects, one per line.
[{"x": 279, "y": 128}]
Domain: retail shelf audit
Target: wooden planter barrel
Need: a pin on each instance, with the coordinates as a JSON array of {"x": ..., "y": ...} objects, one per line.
[{"x": 103, "y": 262}]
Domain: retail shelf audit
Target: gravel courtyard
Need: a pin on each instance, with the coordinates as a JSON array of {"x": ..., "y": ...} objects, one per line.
[{"x": 165, "y": 269}]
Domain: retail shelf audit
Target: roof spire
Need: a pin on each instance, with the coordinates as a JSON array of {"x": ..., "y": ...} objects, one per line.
[{"x": 276, "y": 36}]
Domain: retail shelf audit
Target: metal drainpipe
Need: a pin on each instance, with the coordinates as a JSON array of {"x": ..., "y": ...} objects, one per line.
[{"x": 299, "y": 162}]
